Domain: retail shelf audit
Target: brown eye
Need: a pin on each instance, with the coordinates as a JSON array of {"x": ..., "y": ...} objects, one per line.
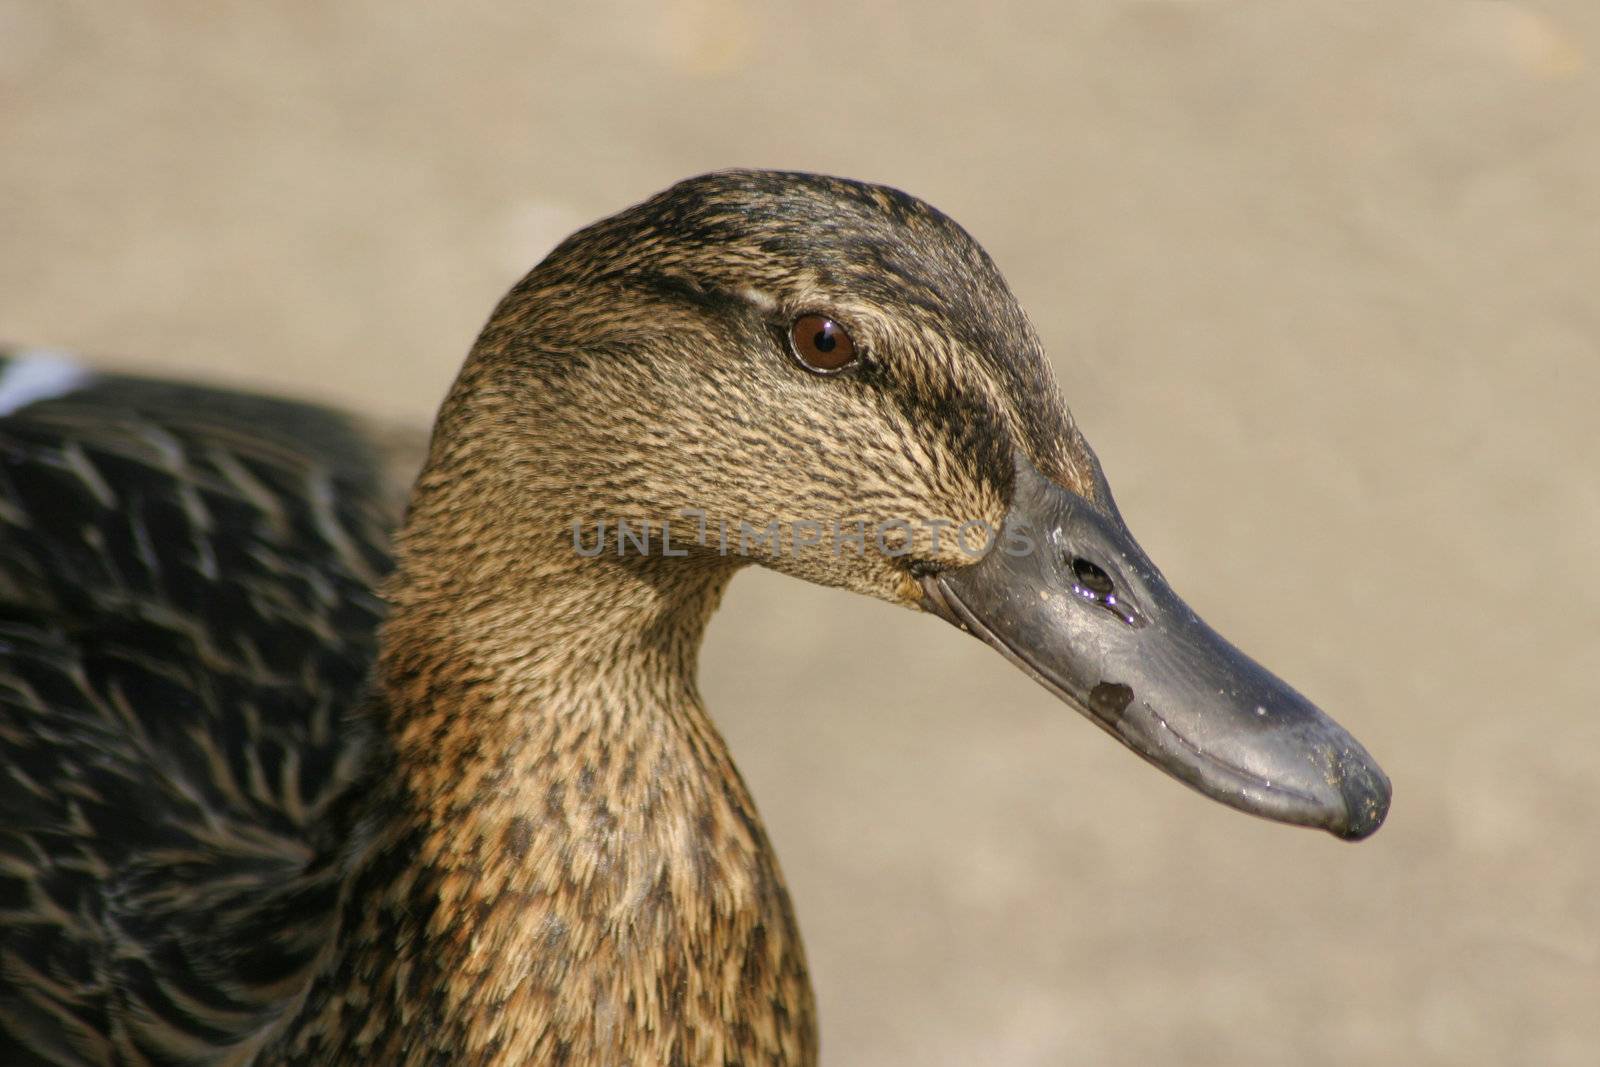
[{"x": 821, "y": 344}]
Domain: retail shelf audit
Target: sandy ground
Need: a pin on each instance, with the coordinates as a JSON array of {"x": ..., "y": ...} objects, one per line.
[{"x": 1320, "y": 282}]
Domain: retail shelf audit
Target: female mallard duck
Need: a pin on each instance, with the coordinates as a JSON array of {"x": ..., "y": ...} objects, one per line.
[{"x": 256, "y": 813}]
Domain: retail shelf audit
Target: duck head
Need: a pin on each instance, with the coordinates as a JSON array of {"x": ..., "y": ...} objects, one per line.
[{"x": 832, "y": 379}]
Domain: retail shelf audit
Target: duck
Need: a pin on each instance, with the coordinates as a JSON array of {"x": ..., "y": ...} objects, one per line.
[{"x": 299, "y": 768}]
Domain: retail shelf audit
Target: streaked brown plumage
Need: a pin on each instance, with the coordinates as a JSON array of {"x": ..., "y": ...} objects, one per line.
[{"x": 519, "y": 839}]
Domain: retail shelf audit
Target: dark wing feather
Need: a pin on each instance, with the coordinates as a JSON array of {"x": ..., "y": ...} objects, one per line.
[{"x": 186, "y": 618}]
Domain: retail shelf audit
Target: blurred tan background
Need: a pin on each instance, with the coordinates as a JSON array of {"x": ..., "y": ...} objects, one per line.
[{"x": 1321, "y": 282}]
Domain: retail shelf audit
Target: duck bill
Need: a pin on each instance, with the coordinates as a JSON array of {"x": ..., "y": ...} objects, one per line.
[{"x": 1067, "y": 594}]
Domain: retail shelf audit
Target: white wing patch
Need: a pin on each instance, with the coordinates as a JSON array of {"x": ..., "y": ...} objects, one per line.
[{"x": 36, "y": 374}]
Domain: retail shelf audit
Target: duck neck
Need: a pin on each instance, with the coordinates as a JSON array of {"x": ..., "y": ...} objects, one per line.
[{"x": 567, "y": 867}]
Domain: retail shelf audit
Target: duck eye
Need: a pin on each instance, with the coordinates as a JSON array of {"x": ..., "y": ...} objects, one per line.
[{"x": 821, "y": 345}]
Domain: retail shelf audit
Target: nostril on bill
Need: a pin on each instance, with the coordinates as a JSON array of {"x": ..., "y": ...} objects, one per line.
[
  {"x": 1092, "y": 583},
  {"x": 1092, "y": 576}
]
